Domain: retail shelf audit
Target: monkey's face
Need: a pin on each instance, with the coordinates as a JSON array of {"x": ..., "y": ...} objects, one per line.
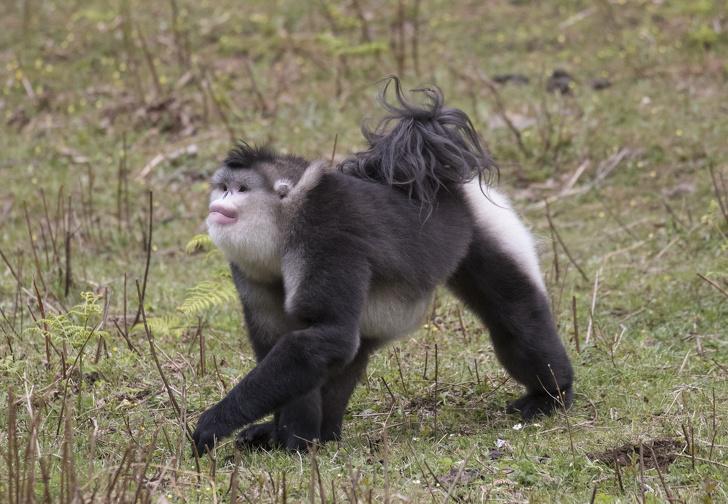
[{"x": 244, "y": 221}]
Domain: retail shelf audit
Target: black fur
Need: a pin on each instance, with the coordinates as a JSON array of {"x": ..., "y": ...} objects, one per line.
[
  {"x": 244, "y": 155},
  {"x": 427, "y": 148},
  {"x": 356, "y": 236},
  {"x": 519, "y": 319}
]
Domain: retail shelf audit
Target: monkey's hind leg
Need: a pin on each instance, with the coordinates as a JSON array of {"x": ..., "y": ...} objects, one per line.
[
  {"x": 293, "y": 428},
  {"x": 337, "y": 391},
  {"x": 299, "y": 422},
  {"x": 516, "y": 310},
  {"x": 257, "y": 436}
]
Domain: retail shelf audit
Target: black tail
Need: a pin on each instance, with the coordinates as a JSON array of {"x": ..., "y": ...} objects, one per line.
[{"x": 427, "y": 148}]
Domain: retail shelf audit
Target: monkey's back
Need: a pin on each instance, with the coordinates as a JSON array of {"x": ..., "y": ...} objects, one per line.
[{"x": 405, "y": 245}]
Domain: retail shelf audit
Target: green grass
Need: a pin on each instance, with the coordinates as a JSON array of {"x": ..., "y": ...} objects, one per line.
[{"x": 78, "y": 84}]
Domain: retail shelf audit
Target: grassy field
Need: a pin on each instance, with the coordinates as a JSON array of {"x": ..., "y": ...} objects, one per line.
[{"x": 621, "y": 171}]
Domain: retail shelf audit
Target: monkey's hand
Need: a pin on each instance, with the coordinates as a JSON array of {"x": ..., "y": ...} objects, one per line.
[
  {"x": 211, "y": 428},
  {"x": 535, "y": 404}
]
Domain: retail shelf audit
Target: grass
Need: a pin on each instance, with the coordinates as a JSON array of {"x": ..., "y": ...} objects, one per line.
[{"x": 103, "y": 101}]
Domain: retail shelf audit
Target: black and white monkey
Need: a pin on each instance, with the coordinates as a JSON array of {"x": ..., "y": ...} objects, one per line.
[{"x": 332, "y": 263}]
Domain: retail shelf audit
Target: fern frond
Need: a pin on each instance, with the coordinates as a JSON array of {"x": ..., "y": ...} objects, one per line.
[
  {"x": 207, "y": 295},
  {"x": 73, "y": 326},
  {"x": 199, "y": 243},
  {"x": 166, "y": 325}
]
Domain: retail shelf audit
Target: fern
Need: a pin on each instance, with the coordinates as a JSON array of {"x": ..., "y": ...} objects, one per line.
[
  {"x": 74, "y": 326},
  {"x": 199, "y": 243},
  {"x": 202, "y": 297},
  {"x": 365, "y": 49},
  {"x": 206, "y": 295},
  {"x": 168, "y": 324},
  {"x": 341, "y": 47}
]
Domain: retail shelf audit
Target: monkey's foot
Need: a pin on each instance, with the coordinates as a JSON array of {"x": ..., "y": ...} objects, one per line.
[
  {"x": 535, "y": 404},
  {"x": 256, "y": 437}
]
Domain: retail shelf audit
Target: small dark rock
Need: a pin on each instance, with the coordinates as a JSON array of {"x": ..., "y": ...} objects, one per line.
[
  {"x": 18, "y": 119},
  {"x": 511, "y": 78},
  {"x": 92, "y": 377},
  {"x": 599, "y": 84},
  {"x": 495, "y": 454},
  {"x": 560, "y": 81}
]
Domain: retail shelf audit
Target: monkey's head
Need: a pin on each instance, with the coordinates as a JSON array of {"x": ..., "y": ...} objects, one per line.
[{"x": 251, "y": 197}]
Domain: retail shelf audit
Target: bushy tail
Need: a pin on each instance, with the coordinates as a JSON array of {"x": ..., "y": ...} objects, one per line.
[{"x": 421, "y": 149}]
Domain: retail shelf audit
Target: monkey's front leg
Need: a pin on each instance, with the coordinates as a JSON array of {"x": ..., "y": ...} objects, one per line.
[{"x": 299, "y": 363}]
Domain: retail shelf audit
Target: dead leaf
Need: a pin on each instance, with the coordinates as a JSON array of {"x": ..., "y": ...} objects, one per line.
[
  {"x": 681, "y": 189},
  {"x": 73, "y": 155}
]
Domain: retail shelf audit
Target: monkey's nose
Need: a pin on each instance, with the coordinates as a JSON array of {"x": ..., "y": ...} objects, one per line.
[{"x": 220, "y": 213}]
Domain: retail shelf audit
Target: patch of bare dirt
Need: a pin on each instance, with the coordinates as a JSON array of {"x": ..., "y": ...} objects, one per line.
[
  {"x": 461, "y": 477},
  {"x": 659, "y": 452}
]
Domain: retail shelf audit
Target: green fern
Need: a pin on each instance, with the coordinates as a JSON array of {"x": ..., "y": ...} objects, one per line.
[
  {"x": 207, "y": 295},
  {"x": 202, "y": 297},
  {"x": 74, "y": 326},
  {"x": 341, "y": 47},
  {"x": 199, "y": 243},
  {"x": 167, "y": 325}
]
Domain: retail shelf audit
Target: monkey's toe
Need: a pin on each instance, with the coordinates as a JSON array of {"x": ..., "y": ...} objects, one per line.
[
  {"x": 533, "y": 404},
  {"x": 256, "y": 437}
]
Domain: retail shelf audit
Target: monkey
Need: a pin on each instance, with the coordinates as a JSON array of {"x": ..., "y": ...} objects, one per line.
[{"x": 333, "y": 262}]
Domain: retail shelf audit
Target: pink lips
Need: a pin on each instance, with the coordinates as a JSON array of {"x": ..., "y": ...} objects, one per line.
[{"x": 221, "y": 213}]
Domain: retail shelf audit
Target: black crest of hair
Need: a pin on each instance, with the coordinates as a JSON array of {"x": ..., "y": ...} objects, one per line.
[
  {"x": 244, "y": 155},
  {"x": 421, "y": 149}
]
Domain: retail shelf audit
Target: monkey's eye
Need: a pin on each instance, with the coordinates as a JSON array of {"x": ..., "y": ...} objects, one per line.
[
  {"x": 224, "y": 187},
  {"x": 242, "y": 188}
]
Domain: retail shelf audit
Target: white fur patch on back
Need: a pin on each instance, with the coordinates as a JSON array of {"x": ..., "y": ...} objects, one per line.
[{"x": 495, "y": 216}]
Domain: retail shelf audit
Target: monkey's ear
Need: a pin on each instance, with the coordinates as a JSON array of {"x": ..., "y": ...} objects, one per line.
[{"x": 282, "y": 187}]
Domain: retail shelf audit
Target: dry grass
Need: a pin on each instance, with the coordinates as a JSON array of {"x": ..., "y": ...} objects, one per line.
[{"x": 621, "y": 172}]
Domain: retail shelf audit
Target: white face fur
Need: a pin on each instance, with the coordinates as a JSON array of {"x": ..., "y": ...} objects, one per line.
[
  {"x": 249, "y": 212},
  {"x": 244, "y": 222}
]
